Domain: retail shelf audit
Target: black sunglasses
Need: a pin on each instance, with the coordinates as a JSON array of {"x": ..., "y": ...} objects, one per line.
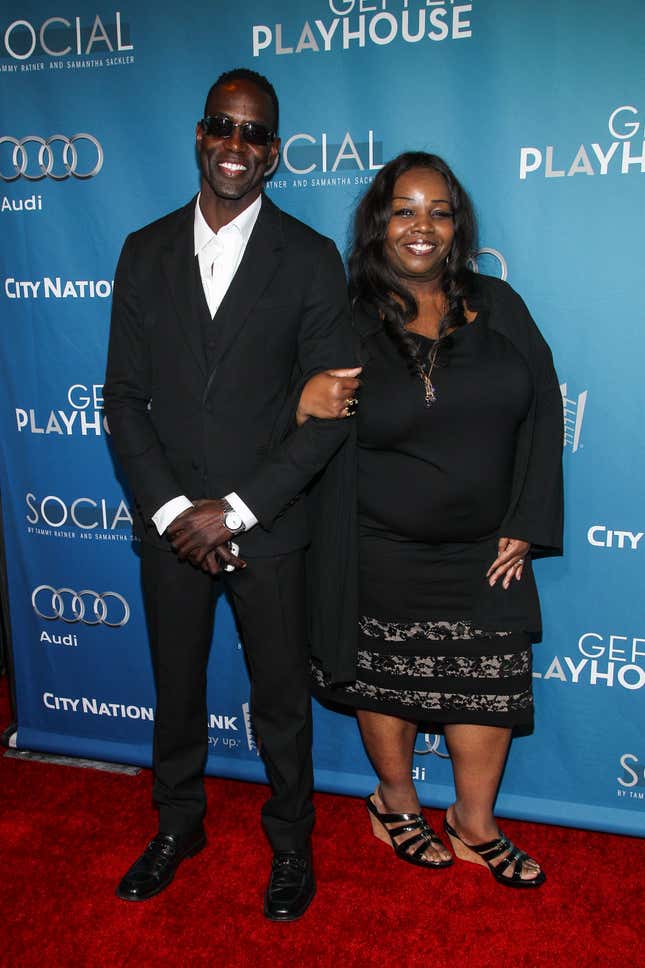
[{"x": 221, "y": 126}]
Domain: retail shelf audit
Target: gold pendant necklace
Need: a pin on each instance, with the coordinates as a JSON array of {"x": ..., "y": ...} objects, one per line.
[{"x": 429, "y": 392}]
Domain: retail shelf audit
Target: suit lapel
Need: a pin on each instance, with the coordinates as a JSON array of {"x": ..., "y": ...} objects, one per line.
[
  {"x": 261, "y": 259},
  {"x": 178, "y": 265}
]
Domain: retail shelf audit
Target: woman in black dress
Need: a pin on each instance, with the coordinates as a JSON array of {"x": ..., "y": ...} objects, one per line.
[{"x": 453, "y": 466}]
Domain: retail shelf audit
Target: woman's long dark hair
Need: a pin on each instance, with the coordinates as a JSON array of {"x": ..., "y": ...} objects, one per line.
[{"x": 371, "y": 279}]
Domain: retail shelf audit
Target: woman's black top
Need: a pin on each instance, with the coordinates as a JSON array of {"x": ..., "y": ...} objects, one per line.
[{"x": 441, "y": 472}]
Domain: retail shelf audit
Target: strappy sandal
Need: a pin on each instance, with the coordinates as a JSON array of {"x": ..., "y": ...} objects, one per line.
[
  {"x": 413, "y": 848},
  {"x": 486, "y": 854}
]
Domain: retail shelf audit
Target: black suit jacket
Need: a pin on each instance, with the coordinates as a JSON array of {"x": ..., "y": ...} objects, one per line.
[{"x": 182, "y": 425}]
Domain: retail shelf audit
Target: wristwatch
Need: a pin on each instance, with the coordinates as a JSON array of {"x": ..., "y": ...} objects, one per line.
[{"x": 232, "y": 519}]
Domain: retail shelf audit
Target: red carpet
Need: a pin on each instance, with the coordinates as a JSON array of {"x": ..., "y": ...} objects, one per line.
[{"x": 67, "y": 835}]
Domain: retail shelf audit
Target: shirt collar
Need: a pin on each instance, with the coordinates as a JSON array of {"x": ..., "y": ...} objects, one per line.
[{"x": 243, "y": 224}]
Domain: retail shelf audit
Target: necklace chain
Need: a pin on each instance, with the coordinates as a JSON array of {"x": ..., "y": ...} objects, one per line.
[{"x": 424, "y": 371}]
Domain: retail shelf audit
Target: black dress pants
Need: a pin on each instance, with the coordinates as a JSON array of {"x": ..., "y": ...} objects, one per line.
[{"x": 269, "y": 601}]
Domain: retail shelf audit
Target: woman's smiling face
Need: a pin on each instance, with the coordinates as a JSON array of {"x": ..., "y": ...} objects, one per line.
[{"x": 421, "y": 228}]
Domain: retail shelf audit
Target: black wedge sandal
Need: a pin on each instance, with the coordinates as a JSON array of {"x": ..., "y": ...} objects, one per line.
[
  {"x": 486, "y": 854},
  {"x": 413, "y": 848}
]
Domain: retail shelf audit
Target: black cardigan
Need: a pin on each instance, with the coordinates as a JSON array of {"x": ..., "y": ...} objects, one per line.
[{"x": 534, "y": 513}]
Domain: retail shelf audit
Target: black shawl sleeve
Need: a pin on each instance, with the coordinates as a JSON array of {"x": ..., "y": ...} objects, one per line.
[{"x": 535, "y": 512}]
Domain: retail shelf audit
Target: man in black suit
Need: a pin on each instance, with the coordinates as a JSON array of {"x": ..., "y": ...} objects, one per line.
[{"x": 221, "y": 311}]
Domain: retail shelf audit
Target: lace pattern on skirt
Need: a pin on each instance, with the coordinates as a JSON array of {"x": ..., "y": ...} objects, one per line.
[
  {"x": 436, "y": 674},
  {"x": 467, "y": 667},
  {"x": 435, "y": 631}
]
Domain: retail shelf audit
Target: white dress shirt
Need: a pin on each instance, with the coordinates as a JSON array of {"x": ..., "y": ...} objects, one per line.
[{"x": 219, "y": 255}]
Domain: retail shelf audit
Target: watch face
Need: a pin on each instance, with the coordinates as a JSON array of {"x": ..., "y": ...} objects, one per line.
[{"x": 233, "y": 521}]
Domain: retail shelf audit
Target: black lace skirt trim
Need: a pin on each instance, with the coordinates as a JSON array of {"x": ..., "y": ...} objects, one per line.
[{"x": 438, "y": 672}]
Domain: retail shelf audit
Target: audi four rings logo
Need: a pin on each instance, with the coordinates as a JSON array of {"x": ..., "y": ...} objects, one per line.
[
  {"x": 500, "y": 270},
  {"x": 85, "y": 606},
  {"x": 432, "y": 742},
  {"x": 45, "y": 160}
]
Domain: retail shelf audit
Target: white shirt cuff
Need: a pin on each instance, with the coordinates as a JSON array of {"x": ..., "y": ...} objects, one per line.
[
  {"x": 169, "y": 511},
  {"x": 249, "y": 520}
]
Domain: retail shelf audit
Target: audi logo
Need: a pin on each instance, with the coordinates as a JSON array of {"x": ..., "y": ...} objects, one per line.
[
  {"x": 432, "y": 742},
  {"x": 501, "y": 272},
  {"x": 85, "y": 606},
  {"x": 45, "y": 157}
]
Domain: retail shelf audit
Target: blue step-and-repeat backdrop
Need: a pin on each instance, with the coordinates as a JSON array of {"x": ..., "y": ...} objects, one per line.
[{"x": 540, "y": 108}]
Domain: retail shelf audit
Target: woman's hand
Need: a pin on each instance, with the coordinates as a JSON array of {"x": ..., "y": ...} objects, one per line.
[
  {"x": 329, "y": 395},
  {"x": 509, "y": 561}
]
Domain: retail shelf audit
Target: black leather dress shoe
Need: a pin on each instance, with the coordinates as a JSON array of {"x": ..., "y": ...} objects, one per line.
[
  {"x": 291, "y": 886},
  {"x": 156, "y": 867}
]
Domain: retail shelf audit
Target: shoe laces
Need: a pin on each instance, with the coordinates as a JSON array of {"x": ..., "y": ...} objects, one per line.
[
  {"x": 285, "y": 863},
  {"x": 161, "y": 847}
]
